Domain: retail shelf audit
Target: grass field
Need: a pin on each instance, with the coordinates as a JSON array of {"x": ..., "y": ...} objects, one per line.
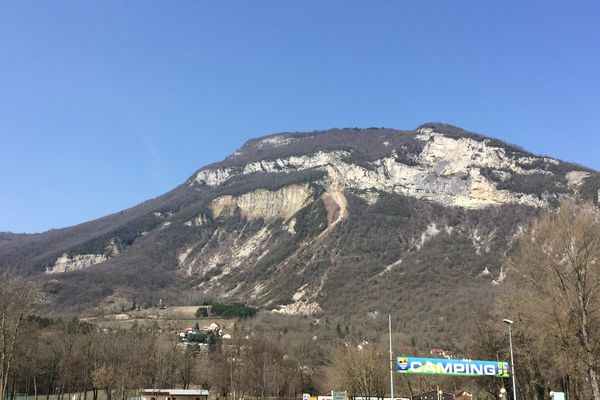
[
  {"x": 171, "y": 318},
  {"x": 66, "y": 396}
]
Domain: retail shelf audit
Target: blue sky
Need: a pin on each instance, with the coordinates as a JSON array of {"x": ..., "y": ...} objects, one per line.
[{"x": 106, "y": 104}]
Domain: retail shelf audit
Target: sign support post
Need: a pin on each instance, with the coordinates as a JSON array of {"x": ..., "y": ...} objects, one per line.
[{"x": 391, "y": 358}]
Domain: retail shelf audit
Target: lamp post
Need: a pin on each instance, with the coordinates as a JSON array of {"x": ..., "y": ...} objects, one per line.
[{"x": 512, "y": 362}]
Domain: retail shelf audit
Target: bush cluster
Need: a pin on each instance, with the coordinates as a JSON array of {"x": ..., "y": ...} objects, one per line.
[{"x": 239, "y": 310}]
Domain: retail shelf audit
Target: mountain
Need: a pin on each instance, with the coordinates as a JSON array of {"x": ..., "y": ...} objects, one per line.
[{"x": 343, "y": 223}]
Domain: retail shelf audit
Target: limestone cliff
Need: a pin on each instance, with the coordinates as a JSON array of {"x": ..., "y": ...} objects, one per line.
[
  {"x": 75, "y": 262},
  {"x": 266, "y": 204},
  {"x": 457, "y": 172}
]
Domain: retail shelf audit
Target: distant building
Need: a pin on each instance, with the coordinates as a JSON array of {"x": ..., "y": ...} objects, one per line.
[
  {"x": 441, "y": 353},
  {"x": 173, "y": 394},
  {"x": 463, "y": 395},
  {"x": 438, "y": 352},
  {"x": 212, "y": 327}
]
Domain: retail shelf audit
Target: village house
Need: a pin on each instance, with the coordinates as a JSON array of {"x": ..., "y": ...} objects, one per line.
[
  {"x": 212, "y": 327},
  {"x": 463, "y": 395},
  {"x": 440, "y": 353}
]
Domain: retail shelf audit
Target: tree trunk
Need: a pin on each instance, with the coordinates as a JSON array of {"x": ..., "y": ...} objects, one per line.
[
  {"x": 594, "y": 383},
  {"x": 590, "y": 357},
  {"x": 62, "y": 391},
  {"x": 410, "y": 389},
  {"x": 264, "y": 379},
  {"x": 85, "y": 381},
  {"x": 13, "y": 389}
]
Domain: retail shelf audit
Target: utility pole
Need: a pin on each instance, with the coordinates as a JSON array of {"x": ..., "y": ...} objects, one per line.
[
  {"x": 391, "y": 358},
  {"x": 512, "y": 361}
]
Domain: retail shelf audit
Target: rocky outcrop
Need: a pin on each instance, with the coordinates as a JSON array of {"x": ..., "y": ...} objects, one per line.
[
  {"x": 216, "y": 177},
  {"x": 67, "y": 263},
  {"x": 224, "y": 253},
  {"x": 199, "y": 220},
  {"x": 576, "y": 178},
  {"x": 451, "y": 156},
  {"x": 448, "y": 171},
  {"x": 266, "y": 204}
]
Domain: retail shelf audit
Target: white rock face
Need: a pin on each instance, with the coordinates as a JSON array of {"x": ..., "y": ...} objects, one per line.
[
  {"x": 66, "y": 263},
  {"x": 455, "y": 155},
  {"x": 275, "y": 141},
  {"x": 431, "y": 232},
  {"x": 447, "y": 171},
  {"x": 299, "y": 308},
  {"x": 182, "y": 257},
  {"x": 482, "y": 243},
  {"x": 215, "y": 177},
  {"x": 198, "y": 221},
  {"x": 291, "y": 226},
  {"x": 576, "y": 178},
  {"x": 337, "y": 209},
  {"x": 500, "y": 278},
  {"x": 234, "y": 250},
  {"x": 266, "y": 204},
  {"x": 300, "y": 293}
]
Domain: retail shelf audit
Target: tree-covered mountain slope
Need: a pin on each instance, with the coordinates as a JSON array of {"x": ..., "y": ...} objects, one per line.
[{"x": 349, "y": 223}]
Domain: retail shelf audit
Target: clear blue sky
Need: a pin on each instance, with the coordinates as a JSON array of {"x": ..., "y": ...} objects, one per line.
[{"x": 104, "y": 104}]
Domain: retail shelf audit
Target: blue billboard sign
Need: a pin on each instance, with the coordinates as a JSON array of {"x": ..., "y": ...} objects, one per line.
[{"x": 443, "y": 366}]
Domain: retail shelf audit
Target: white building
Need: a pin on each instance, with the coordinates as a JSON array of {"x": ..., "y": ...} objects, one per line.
[{"x": 173, "y": 394}]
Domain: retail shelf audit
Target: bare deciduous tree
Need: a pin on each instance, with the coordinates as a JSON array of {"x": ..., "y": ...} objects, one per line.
[
  {"x": 17, "y": 300},
  {"x": 361, "y": 372},
  {"x": 560, "y": 262}
]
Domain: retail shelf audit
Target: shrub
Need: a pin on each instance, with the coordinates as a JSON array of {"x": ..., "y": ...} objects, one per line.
[
  {"x": 239, "y": 310},
  {"x": 201, "y": 312}
]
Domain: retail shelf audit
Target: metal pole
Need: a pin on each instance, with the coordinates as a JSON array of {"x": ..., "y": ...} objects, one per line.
[
  {"x": 512, "y": 363},
  {"x": 391, "y": 358}
]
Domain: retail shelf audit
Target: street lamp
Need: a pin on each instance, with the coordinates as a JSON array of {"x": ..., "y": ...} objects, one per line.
[{"x": 512, "y": 362}]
